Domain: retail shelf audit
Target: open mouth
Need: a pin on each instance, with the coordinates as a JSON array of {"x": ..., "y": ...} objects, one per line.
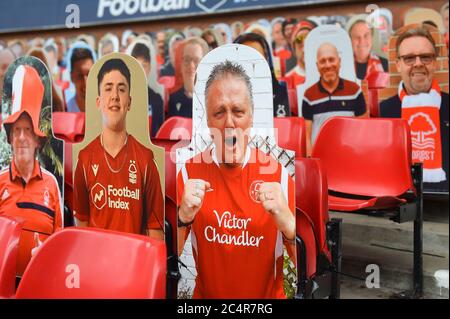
[{"x": 230, "y": 141}]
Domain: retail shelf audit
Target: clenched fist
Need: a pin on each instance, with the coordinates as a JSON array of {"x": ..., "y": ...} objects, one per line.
[
  {"x": 275, "y": 203},
  {"x": 192, "y": 199}
]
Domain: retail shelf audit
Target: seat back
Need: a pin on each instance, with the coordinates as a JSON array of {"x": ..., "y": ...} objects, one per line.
[
  {"x": 176, "y": 128},
  {"x": 376, "y": 81},
  {"x": 68, "y": 126},
  {"x": 291, "y": 134},
  {"x": 311, "y": 197},
  {"x": 9, "y": 247},
  {"x": 95, "y": 263},
  {"x": 170, "y": 145},
  {"x": 369, "y": 157}
]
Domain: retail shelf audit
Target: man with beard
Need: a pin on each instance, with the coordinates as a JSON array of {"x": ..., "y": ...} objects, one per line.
[
  {"x": 421, "y": 102},
  {"x": 117, "y": 185},
  {"x": 238, "y": 214},
  {"x": 331, "y": 96}
]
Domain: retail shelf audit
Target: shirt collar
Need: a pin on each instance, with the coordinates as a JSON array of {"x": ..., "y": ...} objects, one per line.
[
  {"x": 14, "y": 173},
  {"x": 339, "y": 87}
]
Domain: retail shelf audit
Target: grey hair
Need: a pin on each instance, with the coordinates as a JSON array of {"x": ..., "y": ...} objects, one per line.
[{"x": 226, "y": 68}]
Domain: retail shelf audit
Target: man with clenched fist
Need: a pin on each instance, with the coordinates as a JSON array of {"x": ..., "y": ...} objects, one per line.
[{"x": 236, "y": 202}]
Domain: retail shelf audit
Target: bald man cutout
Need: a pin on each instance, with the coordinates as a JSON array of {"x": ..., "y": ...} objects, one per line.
[{"x": 331, "y": 95}]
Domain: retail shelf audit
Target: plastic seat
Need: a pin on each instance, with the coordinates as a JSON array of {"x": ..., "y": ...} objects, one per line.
[
  {"x": 376, "y": 81},
  {"x": 318, "y": 265},
  {"x": 9, "y": 247},
  {"x": 68, "y": 126},
  {"x": 311, "y": 191},
  {"x": 369, "y": 169},
  {"x": 95, "y": 263},
  {"x": 366, "y": 159},
  {"x": 291, "y": 134},
  {"x": 175, "y": 128}
]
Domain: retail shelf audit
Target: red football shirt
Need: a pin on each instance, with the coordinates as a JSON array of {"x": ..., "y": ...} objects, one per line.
[
  {"x": 37, "y": 203},
  {"x": 237, "y": 247},
  {"x": 121, "y": 193}
]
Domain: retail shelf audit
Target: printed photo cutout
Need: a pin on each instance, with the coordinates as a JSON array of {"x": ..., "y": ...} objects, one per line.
[
  {"x": 118, "y": 172},
  {"x": 426, "y": 112},
  {"x": 143, "y": 50},
  {"x": 331, "y": 87},
  {"x": 30, "y": 157},
  {"x": 229, "y": 180}
]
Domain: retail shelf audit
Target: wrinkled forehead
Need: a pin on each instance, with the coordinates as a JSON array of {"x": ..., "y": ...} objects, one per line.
[
  {"x": 231, "y": 86},
  {"x": 415, "y": 44}
]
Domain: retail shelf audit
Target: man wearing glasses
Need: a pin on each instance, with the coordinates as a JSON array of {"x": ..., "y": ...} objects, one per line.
[
  {"x": 180, "y": 102},
  {"x": 421, "y": 102}
]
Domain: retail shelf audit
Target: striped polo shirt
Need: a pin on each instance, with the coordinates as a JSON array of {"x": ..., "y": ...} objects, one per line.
[{"x": 319, "y": 105}]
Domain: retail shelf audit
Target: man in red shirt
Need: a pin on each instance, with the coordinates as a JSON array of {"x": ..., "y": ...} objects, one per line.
[
  {"x": 28, "y": 192},
  {"x": 117, "y": 185},
  {"x": 237, "y": 202}
]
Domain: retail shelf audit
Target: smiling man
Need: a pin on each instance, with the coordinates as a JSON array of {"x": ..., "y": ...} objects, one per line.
[
  {"x": 331, "y": 96},
  {"x": 238, "y": 217},
  {"x": 117, "y": 185},
  {"x": 361, "y": 35},
  {"x": 421, "y": 102},
  {"x": 28, "y": 192}
]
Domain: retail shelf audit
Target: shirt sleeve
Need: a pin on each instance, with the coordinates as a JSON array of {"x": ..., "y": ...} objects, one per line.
[
  {"x": 154, "y": 198},
  {"x": 307, "y": 111},
  {"x": 80, "y": 193}
]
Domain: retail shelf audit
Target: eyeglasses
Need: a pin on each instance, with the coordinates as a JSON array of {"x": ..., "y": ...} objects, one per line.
[{"x": 410, "y": 59}]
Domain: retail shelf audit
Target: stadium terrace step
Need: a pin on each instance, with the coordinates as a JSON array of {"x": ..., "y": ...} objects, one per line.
[{"x": 372, "y": 240}]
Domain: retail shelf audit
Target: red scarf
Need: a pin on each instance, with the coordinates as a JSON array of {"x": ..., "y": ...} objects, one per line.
[{"x": 422, "y": 113}]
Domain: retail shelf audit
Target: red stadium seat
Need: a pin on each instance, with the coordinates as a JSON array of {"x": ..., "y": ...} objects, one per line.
[
  {"x": 175, "y": 128},
  {"x": 94, "y": 263},
  {"x": 291, "y": 134},
  {"x": 311, "y": 191},
  {"x": 365, "y": 157},
  {"x": 315, "y": 232},
  {"x": 9, "y": 245},
  {"x": 376, "y": 81},
  {"x": 293, "y": 101},
  {"x": 369, "y": 170},
  {"x": 68, "y": 126},
  {"x": 170, "y": 145}
]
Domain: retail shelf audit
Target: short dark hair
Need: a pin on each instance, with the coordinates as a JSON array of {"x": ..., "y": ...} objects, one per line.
[
  {"x": 229, "y": 68},
  {"x": 79, "y": 54},
  {"x": 140, "y": 50},
  {"x": 287, "y": 22},
  {"x": 111, "y": 65},
  {"x": 419, "y": 31}
]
